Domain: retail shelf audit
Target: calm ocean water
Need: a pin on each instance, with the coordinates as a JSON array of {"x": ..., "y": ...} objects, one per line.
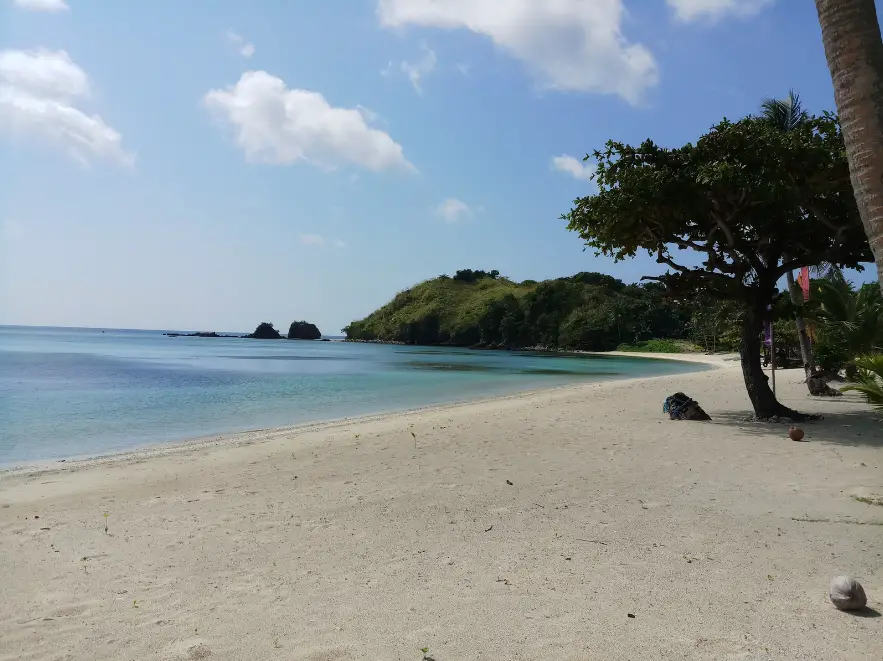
[{"x": 74, "y": 392}]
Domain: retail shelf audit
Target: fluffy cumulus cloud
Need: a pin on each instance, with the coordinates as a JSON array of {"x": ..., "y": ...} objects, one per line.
[
  {"x": 281, "y": 126},
  {"x": 38, "y": 93},
  {"x": 42, "y": 5},
  {"x": 693, "y": 10},
  {"x": 573, "y": 45},
  {"x": 577, "y": 169},
  {"x": 452, "y": 210},
  {"x": 245, "y": 48}
]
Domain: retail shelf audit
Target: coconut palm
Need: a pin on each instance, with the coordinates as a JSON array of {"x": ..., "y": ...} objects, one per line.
[
  {"x": 787, "y": 115},
  {"x": 854, "y": 50}
]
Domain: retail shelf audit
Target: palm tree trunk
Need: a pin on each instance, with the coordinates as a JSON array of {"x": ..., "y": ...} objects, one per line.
[
  {"x": 854, "y": 50},
  {"x": 802, "y": 336}
]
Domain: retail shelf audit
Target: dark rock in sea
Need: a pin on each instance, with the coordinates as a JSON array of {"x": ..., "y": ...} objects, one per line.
[
  {"x": 302, "y": 330},
  {"x": 265, "y": 331}
]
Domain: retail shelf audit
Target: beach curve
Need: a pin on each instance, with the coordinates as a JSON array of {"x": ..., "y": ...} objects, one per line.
[{"x": 530, "y": 526}]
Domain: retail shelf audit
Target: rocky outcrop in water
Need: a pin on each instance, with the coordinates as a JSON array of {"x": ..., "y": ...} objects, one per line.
[
  {"x": 302, "y": 330},
  {"x": 265, "y": 331}
]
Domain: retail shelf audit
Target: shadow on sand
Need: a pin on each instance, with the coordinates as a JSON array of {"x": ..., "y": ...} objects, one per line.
[
  {"x": 844, "y": 423},
  {"x": 866, "y": 612}
]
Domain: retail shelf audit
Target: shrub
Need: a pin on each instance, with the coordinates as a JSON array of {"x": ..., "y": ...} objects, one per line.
[{"x": 658, "y": 346}]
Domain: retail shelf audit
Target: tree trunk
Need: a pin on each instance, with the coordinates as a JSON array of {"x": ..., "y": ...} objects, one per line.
[
  {"x": 756, "y": 382},
  {"x": 854, "y": 49},
  {"x": 802, "y": 336}
]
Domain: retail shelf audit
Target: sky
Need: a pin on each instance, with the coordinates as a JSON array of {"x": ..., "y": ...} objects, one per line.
[{"x": 211, "y": 164}]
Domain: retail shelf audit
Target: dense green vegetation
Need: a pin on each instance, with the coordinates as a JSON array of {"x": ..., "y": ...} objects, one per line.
[
  {"x": 660, "y": 346},
  {"x": 587, "y": 311},
  {"x": 847, "y": 322}
]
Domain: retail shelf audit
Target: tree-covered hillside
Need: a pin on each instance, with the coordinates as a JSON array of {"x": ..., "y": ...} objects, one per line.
[{"x": 589, "y": 311}]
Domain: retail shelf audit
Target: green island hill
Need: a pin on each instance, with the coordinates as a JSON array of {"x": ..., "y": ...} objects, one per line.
[{"x": 482, "y": 309}]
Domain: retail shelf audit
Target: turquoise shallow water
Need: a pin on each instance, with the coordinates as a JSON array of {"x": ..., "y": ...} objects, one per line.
[{"x": 77, "y": 392}]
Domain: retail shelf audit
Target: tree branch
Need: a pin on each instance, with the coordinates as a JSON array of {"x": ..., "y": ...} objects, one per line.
[
  {"x": 724, "y": 224},
  {"x": 663, "y": 259},
  {"x": 788, "y": 266}
]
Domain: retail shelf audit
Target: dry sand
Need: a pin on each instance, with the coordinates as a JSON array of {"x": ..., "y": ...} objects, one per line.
[{"x": 528, "y": 527}]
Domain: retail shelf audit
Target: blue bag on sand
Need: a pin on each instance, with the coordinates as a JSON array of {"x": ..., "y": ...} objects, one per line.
[{"x": 681, "y": 407}]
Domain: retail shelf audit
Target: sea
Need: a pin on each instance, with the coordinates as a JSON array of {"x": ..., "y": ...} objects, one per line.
[{"x": 82, "y": 392}]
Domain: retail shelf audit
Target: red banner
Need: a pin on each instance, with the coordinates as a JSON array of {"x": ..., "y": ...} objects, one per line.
[{"x": 803, "y": 279}]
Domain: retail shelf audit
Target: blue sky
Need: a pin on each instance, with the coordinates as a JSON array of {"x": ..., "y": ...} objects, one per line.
[{"x": 214, "y": 163}]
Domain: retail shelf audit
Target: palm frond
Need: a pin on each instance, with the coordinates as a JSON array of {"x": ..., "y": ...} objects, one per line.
[
  {"x": 786, "y": 114},
  {"x": 828, "y": 271},
  {"x": 869, "y": 380},
  {"x": 872, "y": 362},
  {"x": 873, "y": 393}
]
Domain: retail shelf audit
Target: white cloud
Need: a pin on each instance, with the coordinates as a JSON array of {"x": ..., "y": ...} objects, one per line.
[
  {"x": 245, "y": 48},
  {"x": 415, "y": 71},
  {"x": 566, "y": 44},
  {"x": 584, "y": 171},
  {"x": 43, "y": 73},
  {"x": 280, "y": 126},
  {"x": 38, "y": 90},
  {"x": 319, "y": 240},
  {"x": 452, "y": 210},
  {"x": 464, "y": 69},
  {"x": 43, "y": 5},
  {"x": 692, "y": 10}
]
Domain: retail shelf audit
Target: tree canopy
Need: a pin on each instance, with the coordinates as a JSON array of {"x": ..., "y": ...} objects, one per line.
[
  {"x": 752, "y": 201},
  {"x": 468, "y": 275},
  {"x": 743, "y": 196}
]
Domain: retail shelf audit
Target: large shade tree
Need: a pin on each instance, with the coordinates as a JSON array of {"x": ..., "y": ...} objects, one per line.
[
  {"x": 753, "y": 202},
  {"x": 854, "y": 50}
]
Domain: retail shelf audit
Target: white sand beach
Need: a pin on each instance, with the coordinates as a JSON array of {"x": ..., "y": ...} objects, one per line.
[{"x": 577, "y": 523}]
